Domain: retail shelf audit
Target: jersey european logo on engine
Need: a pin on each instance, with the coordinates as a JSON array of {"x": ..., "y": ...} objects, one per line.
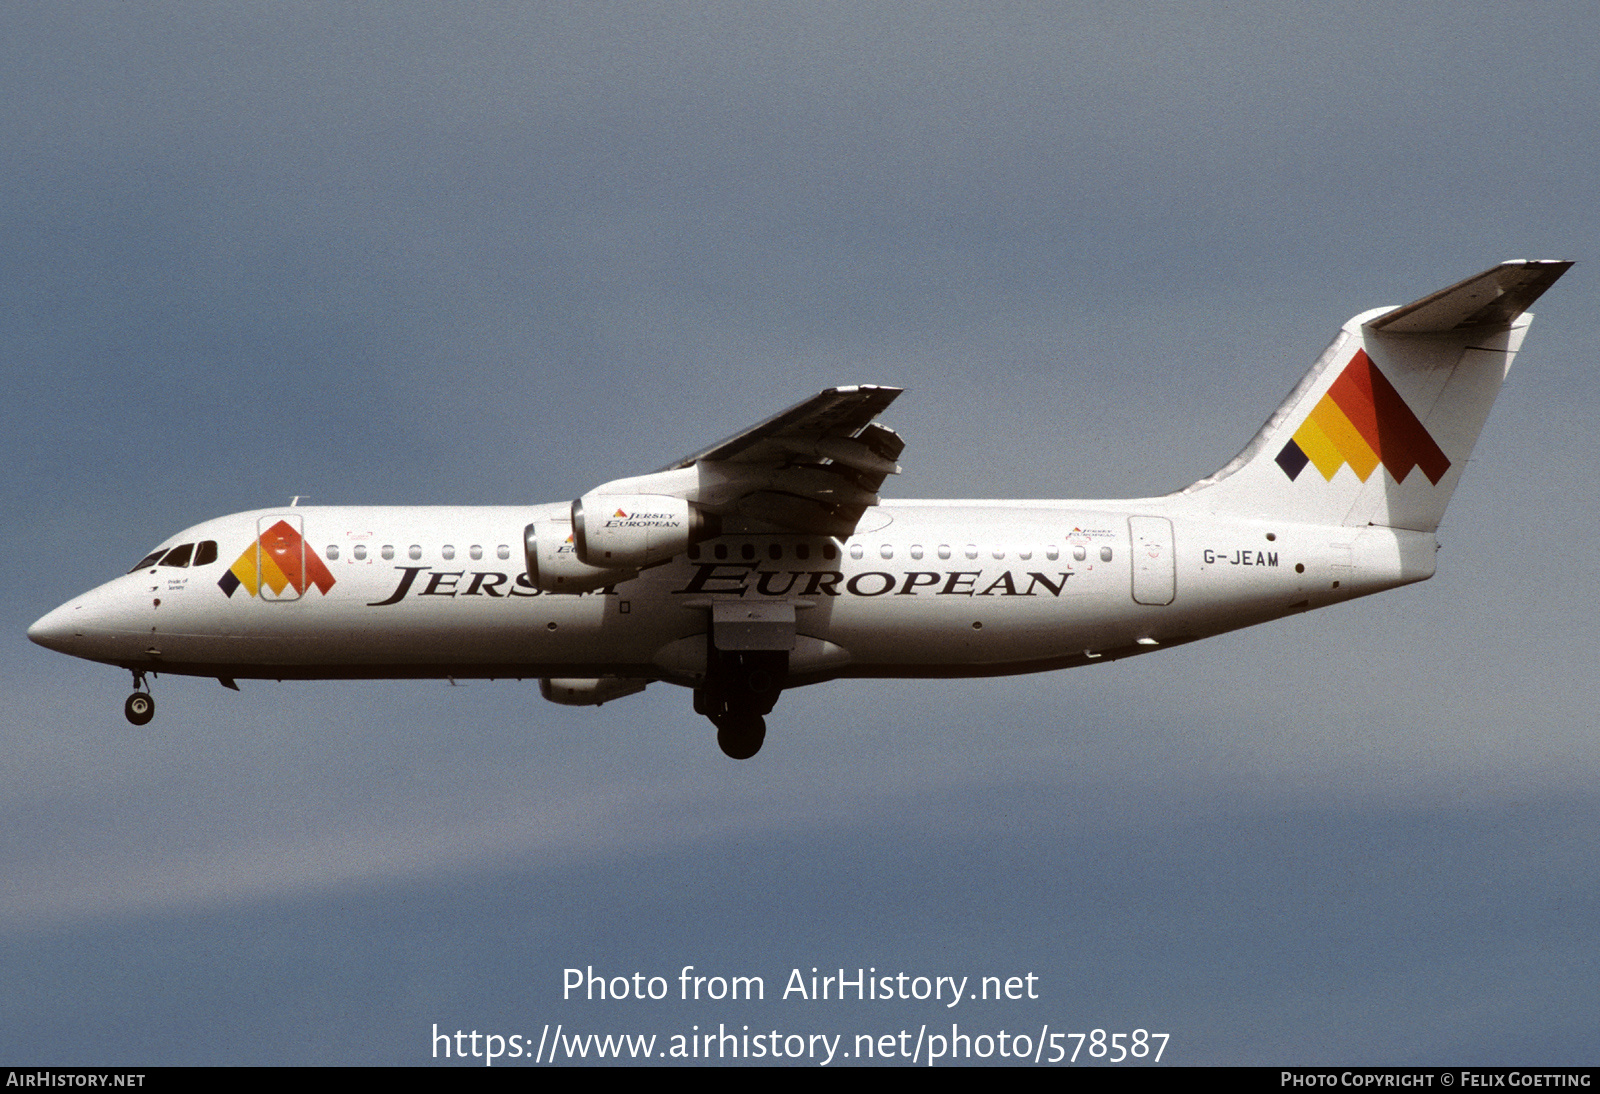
[
  {"x": 1364, "y": 422},
  {"x": 278, "y": 559}
]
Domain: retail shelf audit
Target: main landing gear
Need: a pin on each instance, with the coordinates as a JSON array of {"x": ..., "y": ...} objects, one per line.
[
  {"x": 141, "y": 705},
  {"x": 741, "y": 687},
  {"x": 740, "y": 735}
]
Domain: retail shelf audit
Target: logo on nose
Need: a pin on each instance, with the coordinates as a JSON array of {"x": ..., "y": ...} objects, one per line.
[{"x": 278, "y": 559}]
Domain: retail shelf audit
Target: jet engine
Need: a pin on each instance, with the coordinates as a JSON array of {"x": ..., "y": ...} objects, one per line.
[
  {"x": 553, "y": 564},
  {"x": 636, "y": 530}
]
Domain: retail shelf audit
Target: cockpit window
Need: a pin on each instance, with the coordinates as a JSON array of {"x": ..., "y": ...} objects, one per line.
[
  {"x": 179, "y": 556},
  {"x": 148, "y": 560},
  {"x": 204, "y": 554}
]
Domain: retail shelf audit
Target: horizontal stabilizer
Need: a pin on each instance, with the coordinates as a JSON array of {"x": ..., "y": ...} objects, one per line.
[{"x": 1494, "y": 298}]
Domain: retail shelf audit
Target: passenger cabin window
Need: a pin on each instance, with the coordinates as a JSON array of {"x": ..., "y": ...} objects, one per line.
[
  {"x": 179, "y": 556},
  {"x": 916, "y": 550},
  {"x": 1052, "y": 553},
  {"x": 360, "y": 551},
  {"x": 856, "y": 550},
  {"x": 449, "y": 552},
  {"x": 476, "y": 551},
  {"x": 748, "y": 551},
  {"x": 972, "y": 550},
  {"x": 388, "y": 551},
  {"x": 829, "y": 552},
  {"x": 333, "y": 552},
  {"x": 1105, "y": 554},
  {"x": 944, "y": 550},
  {"x": 775, "y": 551},
  {"x": 802, "y": 551},
  {"x": 415, "y": 552},
  {"x": 503, "y": 551},
  {"x": 1079, "y": 553},
  {"x": 887, "y": 550}
]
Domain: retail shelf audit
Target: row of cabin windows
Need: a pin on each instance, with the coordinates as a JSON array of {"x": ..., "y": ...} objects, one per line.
[
  {"x": 747, "y": 551},
  {"x": 203, "y": 553},
  {"x": 414, "y": 552},
  {"x": 945, "y": 551},
  {"x": 971, "y": 550}
]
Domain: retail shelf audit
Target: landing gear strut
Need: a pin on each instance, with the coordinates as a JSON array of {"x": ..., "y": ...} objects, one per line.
[
  {"x": 740, "y": 689},
  {"x": 141, "y": 705}
]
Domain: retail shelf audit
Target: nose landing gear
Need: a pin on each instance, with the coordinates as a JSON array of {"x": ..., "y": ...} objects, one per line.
[{"x": 141, "y": 705}]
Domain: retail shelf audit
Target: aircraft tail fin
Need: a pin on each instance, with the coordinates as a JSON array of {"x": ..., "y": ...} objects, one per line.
[{"x": 1379, "y": 431}]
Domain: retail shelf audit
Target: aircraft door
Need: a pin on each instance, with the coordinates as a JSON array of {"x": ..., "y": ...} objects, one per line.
[
  {"x": 281, "y": 557},
  {"x": 1155, "y": 575}
]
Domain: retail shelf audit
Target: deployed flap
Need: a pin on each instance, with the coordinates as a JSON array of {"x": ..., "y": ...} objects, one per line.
[{"x": 813, "y": 469}]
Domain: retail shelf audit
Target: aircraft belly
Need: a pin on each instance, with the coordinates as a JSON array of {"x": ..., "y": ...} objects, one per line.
[{"x": 974, "y": 631}]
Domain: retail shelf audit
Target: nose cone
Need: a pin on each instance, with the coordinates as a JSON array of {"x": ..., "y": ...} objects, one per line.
[
  {"x": 103, "y": 624},
  {"x": 56, "y": 630}
]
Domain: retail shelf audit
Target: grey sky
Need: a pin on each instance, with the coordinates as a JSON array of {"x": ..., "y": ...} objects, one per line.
[{"x": 500, "y": 253}]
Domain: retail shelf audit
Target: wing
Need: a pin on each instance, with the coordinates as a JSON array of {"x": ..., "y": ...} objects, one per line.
[{"x": 814, "y": 468}]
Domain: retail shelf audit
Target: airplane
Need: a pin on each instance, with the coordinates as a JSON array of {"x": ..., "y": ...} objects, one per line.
[{"x": 768, "y": 561}]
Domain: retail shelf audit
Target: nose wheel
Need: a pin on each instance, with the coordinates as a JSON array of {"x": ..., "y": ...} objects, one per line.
[
  {"x": 140, "y": 708},
  {"x": 141, "y": 705}
]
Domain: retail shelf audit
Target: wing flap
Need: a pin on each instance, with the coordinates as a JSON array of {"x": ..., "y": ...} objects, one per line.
[{"x": 813, "y": 469}]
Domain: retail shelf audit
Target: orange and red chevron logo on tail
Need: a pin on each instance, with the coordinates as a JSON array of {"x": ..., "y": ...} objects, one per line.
[
  {"x": 284, "y": 561},
  {"x": 1362, "y": 421}
]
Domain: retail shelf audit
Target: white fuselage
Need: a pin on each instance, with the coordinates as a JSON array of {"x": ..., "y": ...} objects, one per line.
[
  {"x": 941, "y": 588},
  {"x": 684, "y": 575}
]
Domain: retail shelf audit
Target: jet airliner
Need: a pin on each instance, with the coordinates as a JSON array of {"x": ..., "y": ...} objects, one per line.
[{"x": 768, "y": 561}]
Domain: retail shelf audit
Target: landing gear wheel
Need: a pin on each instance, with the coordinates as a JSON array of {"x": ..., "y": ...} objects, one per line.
[
  {"x": 140, "y": 708},
  {"x": 740, "y": 736}
]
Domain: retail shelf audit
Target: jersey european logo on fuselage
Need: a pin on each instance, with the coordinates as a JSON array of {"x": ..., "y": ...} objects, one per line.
[{"x": 277, "y": 559}]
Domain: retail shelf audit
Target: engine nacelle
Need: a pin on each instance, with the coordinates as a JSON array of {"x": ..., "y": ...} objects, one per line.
[
  {"x": 587, "y": 692},
  {"x": 553, "y": 564},
  {"x": 635, "y": 530}
]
